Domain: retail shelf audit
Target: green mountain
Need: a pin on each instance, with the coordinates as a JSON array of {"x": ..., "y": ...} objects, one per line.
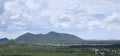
[
  {"x": 3, "y": 40},
  {"x": 49, "y": 38}
]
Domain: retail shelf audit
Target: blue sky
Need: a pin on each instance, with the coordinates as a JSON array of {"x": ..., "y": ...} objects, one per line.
[{"x": 88, "y": 19}]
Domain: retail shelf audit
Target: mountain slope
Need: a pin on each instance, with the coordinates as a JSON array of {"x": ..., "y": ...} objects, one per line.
[
  {"x": 3, "y": 40},
  {"x": 49, "y": 38}
]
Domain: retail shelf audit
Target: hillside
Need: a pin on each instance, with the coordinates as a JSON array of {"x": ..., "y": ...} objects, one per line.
[
  {"x": 49, "y": 38},
  {"x": 3, "y": 40}
]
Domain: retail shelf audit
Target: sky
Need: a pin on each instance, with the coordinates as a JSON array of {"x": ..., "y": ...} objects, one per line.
[{"x": 87, "y": 19}]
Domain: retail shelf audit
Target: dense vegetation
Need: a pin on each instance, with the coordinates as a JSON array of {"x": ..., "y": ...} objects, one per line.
[{"x": 12, "y": 49}]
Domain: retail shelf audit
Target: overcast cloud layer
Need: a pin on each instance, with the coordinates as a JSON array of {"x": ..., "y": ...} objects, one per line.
[{"x": 88, "y": 19}]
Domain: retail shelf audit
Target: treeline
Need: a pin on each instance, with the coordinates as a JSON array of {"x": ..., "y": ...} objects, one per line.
[{"x": 96, "y": 46}]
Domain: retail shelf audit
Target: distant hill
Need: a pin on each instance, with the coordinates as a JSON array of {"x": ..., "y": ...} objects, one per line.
[
  {"x": 3, "y": 40},
  {"x": 49, "y": 38}
]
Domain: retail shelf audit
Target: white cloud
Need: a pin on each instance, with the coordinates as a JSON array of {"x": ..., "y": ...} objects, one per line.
[
  {"x": 113, "y": 21},
  {"x": 114, "y": 17},
  {"x": 84, "y": 15},
  {"x": 2, "y": 35},
  {"x": 15, "y": 16},
  {"x": 96, "y": 25}
]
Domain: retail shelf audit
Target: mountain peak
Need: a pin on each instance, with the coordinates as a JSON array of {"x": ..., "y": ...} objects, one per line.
[
  {"x": 52, "y": 32},
  {"x": 28, "y": 33}
]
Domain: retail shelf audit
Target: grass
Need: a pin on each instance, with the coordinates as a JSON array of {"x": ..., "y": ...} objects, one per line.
[{"x": 56, "y": 51}]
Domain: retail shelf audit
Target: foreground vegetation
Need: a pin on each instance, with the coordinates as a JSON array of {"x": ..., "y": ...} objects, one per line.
[{"x": 52, "y": 50}]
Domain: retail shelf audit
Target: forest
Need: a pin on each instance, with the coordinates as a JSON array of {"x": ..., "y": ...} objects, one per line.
[{"x": 13, "y": 49}]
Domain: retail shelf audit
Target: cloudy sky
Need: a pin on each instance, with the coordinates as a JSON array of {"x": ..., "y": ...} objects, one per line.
[{"x": 88, "y": 19}]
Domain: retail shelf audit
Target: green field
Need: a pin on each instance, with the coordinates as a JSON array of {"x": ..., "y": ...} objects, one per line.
[{"x": 48, "y": 50}]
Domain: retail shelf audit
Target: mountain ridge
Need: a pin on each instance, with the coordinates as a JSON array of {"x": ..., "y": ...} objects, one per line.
[
  {"x": 4, "y": 39},
  {"x": 49, "y": 38}
]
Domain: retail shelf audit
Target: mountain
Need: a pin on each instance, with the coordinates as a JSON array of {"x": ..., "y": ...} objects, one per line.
[
  {"x": 3, "y": 40},
  {"x": 49, "y": 38}
]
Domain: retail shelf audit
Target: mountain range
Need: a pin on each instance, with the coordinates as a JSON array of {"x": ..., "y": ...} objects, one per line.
[
  {"x": 49, "y": 38},
  {"x": 55, "y": 38}
]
